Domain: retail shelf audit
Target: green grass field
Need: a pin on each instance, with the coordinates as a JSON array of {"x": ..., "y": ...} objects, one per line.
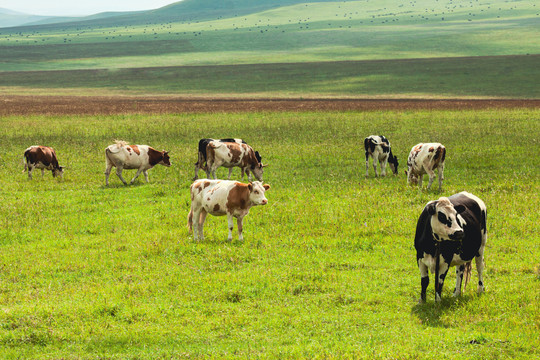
[
  {"x": 327, "y": 268},
  {"x": 475, "y": 77}
]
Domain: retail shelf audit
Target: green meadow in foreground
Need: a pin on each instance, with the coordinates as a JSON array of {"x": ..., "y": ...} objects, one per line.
[{"x": 327, "y": 268}]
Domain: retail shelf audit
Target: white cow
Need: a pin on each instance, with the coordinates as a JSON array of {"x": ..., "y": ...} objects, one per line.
[
  {"x": 424, "y": 159},
  {"x": 140, "y": 157},
  {"x": 223, "y": 197}
]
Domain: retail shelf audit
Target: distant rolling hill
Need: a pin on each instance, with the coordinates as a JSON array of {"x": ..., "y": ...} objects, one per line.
[{"x": 222, "y": 33}]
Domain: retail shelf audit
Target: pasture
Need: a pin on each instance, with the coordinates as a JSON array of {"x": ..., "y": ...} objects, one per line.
[{"x": 327, "y": 268}]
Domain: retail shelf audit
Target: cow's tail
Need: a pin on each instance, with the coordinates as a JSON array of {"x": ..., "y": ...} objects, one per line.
[
  {"x": 25, "y": 159},
  {"x": 467, "y": 274}
]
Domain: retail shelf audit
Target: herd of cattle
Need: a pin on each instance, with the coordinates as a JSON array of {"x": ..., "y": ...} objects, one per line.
[{"x": 451, "y": 231}]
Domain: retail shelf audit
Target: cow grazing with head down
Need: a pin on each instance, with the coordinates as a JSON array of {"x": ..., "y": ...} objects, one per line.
[
  {"x": 451, "y": 232},
  {"x": 223, "y": 197},
  {"x": 44, "y": 158},
  {"x": 231, "y": 155},
  {"x": 425, "y": 159},
  {"x": 140, "y": 157},
  {"x": 201, "y": 157},
  {"x": 378, "y": 148}
]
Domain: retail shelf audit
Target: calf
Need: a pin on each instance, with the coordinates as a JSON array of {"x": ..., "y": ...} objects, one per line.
[
  {"x": 378, "y": 148},
  {"x": 424, "y": 159},
  {"x": 140, "y": 157},
  {"x": 230, "y": 155},
  {"x": 223, "y": 197},
  {"x": 42, "y": 157},
  {"x": 201, "y": 157},
  {"x": 451, "y": 232}
]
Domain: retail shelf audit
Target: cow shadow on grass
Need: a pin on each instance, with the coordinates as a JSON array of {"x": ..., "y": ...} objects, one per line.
[{"x": 433, "y": 314}]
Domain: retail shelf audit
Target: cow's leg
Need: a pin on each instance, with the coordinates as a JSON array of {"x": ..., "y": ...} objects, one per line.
[
  {"x": 239, "y": 223},
  {"x": 30, "y": 169},
  {"x": 375, "y": 166},
  {"x": 443, "y": 270},
  {"x": 230, "y": 173},
  {"x": 420, "y": 178},
  {"x": 367, "y": 164},
  {"x": 145, "y": 173},
  {"x": 230, "y": 222},
  {"x": 249, "y": 175},
  {"x": 196, "y": 215},
  {"x": 107, "y": 173},
  {"x": 480, "y": 269},
  {"x": 424, "y": 275},
  {"x": 431, "y": 175},
  {"x": 383, "y": 167},
  {"x": 243, "y": 171},
  {"x": 196, "y": 171},
  {"x": 201, "y": 219},
  {"x": 136, "y": 175},
  {"x": 460, "y": 270},
  {"x": 441, "y": 177},
  {"x": 119, "y": 174}
]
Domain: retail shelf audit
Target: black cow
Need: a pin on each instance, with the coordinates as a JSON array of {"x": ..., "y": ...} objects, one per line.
[
  {"x": 201, "y": 155},
  {"x": 454, "y": 228},
  {"x": 378, "y": 148}
]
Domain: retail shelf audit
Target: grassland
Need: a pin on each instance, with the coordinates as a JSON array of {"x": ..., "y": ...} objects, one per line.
[
  {"x": 323, "y": 48},
  {"x": 475, "y": 77},
  {"x": 327, "y": 268}
]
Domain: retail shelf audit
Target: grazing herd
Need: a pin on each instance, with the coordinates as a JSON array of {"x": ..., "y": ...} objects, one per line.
[{"x": 450, "y": 231}]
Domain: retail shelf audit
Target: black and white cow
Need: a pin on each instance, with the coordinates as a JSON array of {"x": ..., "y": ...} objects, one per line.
[
  {"x": 202, "y": 155},
  {"x": 378, "y": 148},
  {"x": 454, "y": 228}
]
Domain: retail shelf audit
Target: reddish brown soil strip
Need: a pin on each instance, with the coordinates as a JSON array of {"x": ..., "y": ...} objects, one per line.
[{"x": 72, "y": 105}]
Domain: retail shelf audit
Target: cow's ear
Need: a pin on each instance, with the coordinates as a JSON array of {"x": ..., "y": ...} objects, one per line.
[
  {"x": 459, "y": 208},
  {"x": 266, "y": 187},
  {"x": 431, "y": 208},
  {"x": 250, "y": 187}
]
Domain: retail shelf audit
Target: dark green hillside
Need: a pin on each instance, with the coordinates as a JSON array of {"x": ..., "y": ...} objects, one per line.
[{"x": 276, "y": 32}]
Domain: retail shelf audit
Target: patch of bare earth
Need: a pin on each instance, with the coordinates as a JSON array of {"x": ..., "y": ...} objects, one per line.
[{"x": 96, "y": 105}]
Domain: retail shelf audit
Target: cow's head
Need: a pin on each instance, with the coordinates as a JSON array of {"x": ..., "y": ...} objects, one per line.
[
  {"x": 393, "y": 162},
  {"x": 446, "y": 223},
  {"x": 412, "y": 178},
  {"x": 59, "y": 171},
  {"x": 166, "y": 159},
  {"x": 258, "y": 168},
  {"x": 256, "y": 193}
]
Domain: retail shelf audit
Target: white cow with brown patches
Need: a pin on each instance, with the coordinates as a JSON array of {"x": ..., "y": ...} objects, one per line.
[
  {"x": 234, "y": 154},
  {"x": 425, "y": 158},
  {"x": 140, "y": 157},
  {"x": 223, "y": 197}
]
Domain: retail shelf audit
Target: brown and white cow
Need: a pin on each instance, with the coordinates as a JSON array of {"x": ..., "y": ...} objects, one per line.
[
  {"x": 451, "y": 231},
  {"x": 140, "y": 157},
  {"x": 201, "y": 155},
  {"x": 425, "y": 158},
  {"x": 378, "y": 148},
  {"x": 230, "y": 155},
  {"x": 223, "y": 197},
  {"x": 42, "y": 157}
]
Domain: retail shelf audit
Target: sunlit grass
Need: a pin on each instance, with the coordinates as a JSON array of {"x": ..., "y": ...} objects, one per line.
[{"x": 327, "y": 267}]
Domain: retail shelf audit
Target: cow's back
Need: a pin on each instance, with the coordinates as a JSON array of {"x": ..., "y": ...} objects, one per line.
[{"x": 474, "y": 217}]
